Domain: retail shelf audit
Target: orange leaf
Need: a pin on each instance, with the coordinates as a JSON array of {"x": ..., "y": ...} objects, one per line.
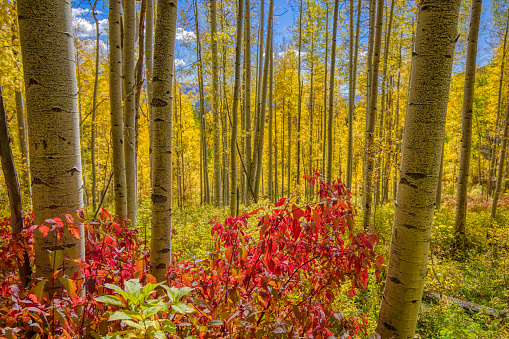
[{"x": 44, "y": 230}]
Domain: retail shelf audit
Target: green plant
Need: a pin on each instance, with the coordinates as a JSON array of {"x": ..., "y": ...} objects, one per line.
[{"x": 142, "y": 315}]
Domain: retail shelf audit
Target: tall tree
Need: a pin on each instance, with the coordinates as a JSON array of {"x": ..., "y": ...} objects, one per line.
[
  {"x": 149, "y": 62},
  {"x": 53, "y": 123},
  {"x": 466, "y": 123},
  {"x": 331, "y": 91},
  {"x": 215, "y": 103},
  {"x": 235, "y": 118},
  {"x": 436, "y": 34},
  {"x": 13, "y": 189},
  {"x": 94, "y": 108},
  {"x": 129, "y": 33},
  {"x": 23, "y": 143},
  {"x": 503, "y": 152},
  {"x": 299, "y": 108},
  {"x": 116, "y": 119},
  {"x": 371, "y": 119},
  {"x": 247, "y": 91},
  {"x": 162, "y": 183}
]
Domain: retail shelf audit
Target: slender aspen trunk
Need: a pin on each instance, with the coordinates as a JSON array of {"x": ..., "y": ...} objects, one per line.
[
  {"x": 311, "y": 112},
  {"x": 299, "y": 109},
  {"x": 162, "y": 183},
  {"x": 436, "y": 34},
  {"x": 369, "y": 61},
  {"x": 503, "y": 152},
  {"x": 129, "y": 33},
  {"x": 324, "y": 115},
  {"x": 215, "y": 103},
  {"x": 116, "y": 119},
  {"x": 351, "y": 102},
  {"x": 369, "y": 148},
  {"x": 494, "y": 148},
  {"x": 235, "y": 119},
  {"x": 269, "y": 173},
  {"x": 13, "y": 190},
  {"x": 263, "y": 101},
  {"x": 23, "y": 146},
  {"x": 53, "y": 125},
  {"x": 247, "y": 94},
  {"x": 289, "y": 156},
  {"x": 204, "y": 159},
  {"x": 149, "y": 61},
  {"x": 94, "y": 109},
  {"x": 283, "y": 151},
  {"x": 466, "y": 125},
  {"x": 331, "y": 91}
]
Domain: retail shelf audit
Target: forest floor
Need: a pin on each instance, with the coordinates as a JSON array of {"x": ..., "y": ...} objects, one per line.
[{"x": 479, "y": 274}]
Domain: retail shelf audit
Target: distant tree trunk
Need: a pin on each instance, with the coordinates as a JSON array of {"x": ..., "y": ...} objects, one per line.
[
  {"x": 299, "y": 110},
  {"x": 370, "y": 122},
  {"x": 309, "y": 191},
  {"x": 129, "y": 32},
  {"x": 162, "y": 183},
  {"x": 23, "y": 147},
  {"x": 324, "y": 116},
  {"x": 94, "y": 109},
  {"x": 289, "y": 156},
  {"x": 503, "y": 152},
  {"x": 436, "y": 33},
  {"x": 351, "y": 102},
  {"x": 205, "y": 166},
  {"x": 263, "y": 101},
  {"x": 235, "y": 118},
  {"x": 271, "y": 88},
  {"x": 13, "y": 189},
  {"x": 53, "y": 124},
  {"x": 331, "y": 91},
  {"x": 247, "y": 93},
  {"x": 466, "y": 125},
  {"x": 215, "y": 103},
  {"x": 494, "y": 148},
  {"x": 117, "y": 134},
  {"x": 149, "y": 61}
]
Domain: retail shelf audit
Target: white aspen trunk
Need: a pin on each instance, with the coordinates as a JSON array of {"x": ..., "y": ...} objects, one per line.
[
  {"x": 432, "y": 59},
  {"x": 162, "y": 181},
  {"x": 129, "y": 33},
  {"x": 331, "y": 92},
  {"x": 53, "y": 124},
  {"x": 116, "y": 119},
  {"x": 149, "y": 62},
  {"x": 466, "y": 123},
  {"x": 23, "y": 144},
  {"x": 215, "y": 103},
  {"x": 235, "y": 118}
]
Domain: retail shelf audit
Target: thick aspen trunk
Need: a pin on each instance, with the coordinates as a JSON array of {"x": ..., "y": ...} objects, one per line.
[
  {"x": 466, "y": 124},
  {"x": 235, "y": 119},
  {"x": 117, "y": 122},
  {"x": 436, "y": 34},
  {"x": 129, "y": 33},
  {"x": 53, "y": 124},
  {"x": 162, "y": 183}
]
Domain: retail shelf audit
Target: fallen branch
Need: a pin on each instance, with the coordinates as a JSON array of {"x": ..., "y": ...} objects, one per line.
[{"x": 466, "y": 305}]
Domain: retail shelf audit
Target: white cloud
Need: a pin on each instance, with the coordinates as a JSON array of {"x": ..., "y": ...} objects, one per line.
[
  {"x": 86, "y": 28},
  {"x": 184, "y": 36},
  {"x": 180, "y": 62},
  {"x": 291, "y": 51}
]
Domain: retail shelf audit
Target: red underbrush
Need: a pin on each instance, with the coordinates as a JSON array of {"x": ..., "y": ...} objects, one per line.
[{"x": 282, "y": 279}]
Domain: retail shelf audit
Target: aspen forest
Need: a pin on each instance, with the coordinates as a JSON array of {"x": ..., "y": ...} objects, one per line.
[{"x": 254, "y": 169}]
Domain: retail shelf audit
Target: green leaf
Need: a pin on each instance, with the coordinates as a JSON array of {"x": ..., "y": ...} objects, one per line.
[
  {"x": 119, "y": 315},
  {"x": 169, "y": 326},
  {"x": 148, "y": 288},
  {"x": 152, "y": 310},
  {"x": 56, "y": 259},
  {"x": 39, "y": 289},
  {"x": 133, "y": 287},
  {"x": 70, "y": 287},
  {"x": 216, "y": 323},
  {"x": 181, "y": 307},
  {"x": 134, "y": 324},
  {"x": 111, "y": 299},
  {"x": 175, "y": 293},
  {"x": 158, "y": 334},
  {"x": 114, "y": 288}
]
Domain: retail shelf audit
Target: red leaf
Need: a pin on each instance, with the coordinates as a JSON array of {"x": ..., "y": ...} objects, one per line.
[
  {"x": 280, "y": 202},
  {"x": 105, "y": 213},
  {"x": 44, "y": 230}
]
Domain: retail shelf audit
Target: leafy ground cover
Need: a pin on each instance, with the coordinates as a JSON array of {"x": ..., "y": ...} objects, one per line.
[{"x": 279, "y": 271}]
